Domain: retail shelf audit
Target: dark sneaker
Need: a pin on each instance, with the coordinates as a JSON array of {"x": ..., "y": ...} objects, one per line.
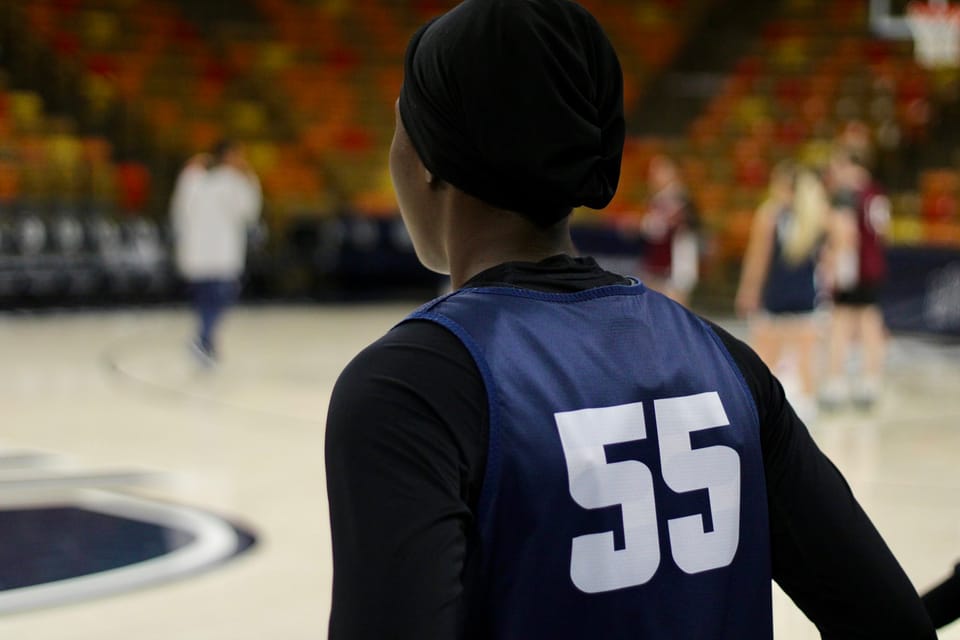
[{"x": 204, "y": 355}]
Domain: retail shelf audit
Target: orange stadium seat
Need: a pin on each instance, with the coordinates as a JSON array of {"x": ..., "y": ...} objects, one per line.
[
  {"x": 202, "y": 134},
  {"x": 939, "y": 192},
  {"x": 9, "y": 182}
]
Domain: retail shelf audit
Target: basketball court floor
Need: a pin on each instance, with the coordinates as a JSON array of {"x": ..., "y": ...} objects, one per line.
[{"x": 107, "y": 412}]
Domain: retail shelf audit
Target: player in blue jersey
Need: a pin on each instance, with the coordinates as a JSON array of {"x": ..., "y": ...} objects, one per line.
[
  {"x": 779, "y": 291},
  {"x": 554, "y": 451}
]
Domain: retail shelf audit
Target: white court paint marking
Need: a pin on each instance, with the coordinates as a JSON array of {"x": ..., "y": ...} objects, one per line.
[
  {"x": 214, "y": 541},
  {"x": 26, "y": 460},
  {"x": 113, "y": 358},
  {"x": 21, "y": 481}
]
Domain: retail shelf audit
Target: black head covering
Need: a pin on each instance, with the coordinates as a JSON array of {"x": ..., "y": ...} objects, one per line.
[{"x": 518, "y": 103}]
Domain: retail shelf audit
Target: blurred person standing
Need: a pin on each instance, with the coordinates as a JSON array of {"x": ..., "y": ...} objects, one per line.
[
  {"x": 216, "y": 200},
  {"x": 855, "y": 262},
  {"x": 670, "y": 262},
  {"x": 779, "y": 290}
]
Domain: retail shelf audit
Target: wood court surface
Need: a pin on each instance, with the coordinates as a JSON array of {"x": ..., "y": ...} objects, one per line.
[{"x": 114, "y": 403}]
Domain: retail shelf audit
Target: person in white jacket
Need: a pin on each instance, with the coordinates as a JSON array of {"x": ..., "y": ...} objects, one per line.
[{"x": 216, "y": 200}]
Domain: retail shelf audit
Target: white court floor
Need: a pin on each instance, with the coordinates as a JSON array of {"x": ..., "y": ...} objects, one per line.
[{"x": 117, "y": 392}]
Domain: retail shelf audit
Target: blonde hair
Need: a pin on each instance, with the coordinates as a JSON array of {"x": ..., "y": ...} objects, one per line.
[{"x": 809, "y": 208}]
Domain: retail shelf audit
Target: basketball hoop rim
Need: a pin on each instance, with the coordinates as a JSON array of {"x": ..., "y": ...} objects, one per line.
[{"x": 928, "y": 11}]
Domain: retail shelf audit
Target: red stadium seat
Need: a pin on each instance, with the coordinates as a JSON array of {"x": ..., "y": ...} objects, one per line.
[{"x": 134, "y": 187}]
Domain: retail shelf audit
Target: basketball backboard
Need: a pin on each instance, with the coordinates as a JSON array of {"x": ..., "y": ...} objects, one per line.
[{"x": 933, "y": 25}]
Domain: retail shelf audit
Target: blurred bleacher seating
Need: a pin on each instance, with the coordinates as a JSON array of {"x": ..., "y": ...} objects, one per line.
[
  {"x": 813, "y": 70},
  {"x": 102, "y": 100},
  {"x": 108, "y": 97}
]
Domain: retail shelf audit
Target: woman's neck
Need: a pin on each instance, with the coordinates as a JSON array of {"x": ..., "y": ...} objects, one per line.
[{"x": 485, "y": 237}]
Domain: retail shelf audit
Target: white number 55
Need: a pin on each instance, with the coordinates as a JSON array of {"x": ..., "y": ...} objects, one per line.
[{"x": 595, "y": 564}]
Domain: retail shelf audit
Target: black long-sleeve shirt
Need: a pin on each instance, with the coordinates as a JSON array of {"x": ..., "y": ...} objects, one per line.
[
  {"x": 405, "y": 453},
  {"x": 943, "y": 600}
]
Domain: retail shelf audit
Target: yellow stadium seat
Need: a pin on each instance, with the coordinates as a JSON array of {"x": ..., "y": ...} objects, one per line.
[
  {"x": 100, "y": 29},
  {"x": 263, "y": 156},
  {"x": 246, "y": 119},
  {"x": 26, "y": 109}
]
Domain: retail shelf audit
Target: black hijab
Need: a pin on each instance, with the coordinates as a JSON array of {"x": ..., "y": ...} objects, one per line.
[{"x": 518, "y": 103}]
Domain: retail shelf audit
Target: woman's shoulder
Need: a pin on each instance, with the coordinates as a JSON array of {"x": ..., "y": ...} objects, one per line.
[
  {"x": 416, "y": 382},
  {"x": 416, "y": 355}
]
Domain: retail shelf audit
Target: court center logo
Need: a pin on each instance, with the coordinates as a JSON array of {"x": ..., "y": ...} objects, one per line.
[{"x": 69, "y": 536}]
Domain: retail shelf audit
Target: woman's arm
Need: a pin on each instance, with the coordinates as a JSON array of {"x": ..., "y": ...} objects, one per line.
[
  {"x": 943, "y": 601},
  {"x": 405, "y": 452},
  {"x": 827, "y": 555}
]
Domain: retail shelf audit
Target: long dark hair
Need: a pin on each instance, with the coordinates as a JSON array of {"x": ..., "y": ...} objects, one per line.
[{"x": 220, "y": 150}]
